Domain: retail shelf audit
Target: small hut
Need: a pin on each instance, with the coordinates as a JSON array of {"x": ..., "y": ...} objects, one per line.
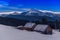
[
  {"x": 29, "y": 26},
  {"x": 46, "y": 29}
]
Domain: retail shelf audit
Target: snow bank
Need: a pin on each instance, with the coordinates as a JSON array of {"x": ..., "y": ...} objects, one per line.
[{"x": 10, "y": 33}]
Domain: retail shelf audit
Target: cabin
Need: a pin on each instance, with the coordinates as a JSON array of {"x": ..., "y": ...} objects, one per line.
[
  {"x": 29, "y": 26},
  {"x": 45, "y": 29}
]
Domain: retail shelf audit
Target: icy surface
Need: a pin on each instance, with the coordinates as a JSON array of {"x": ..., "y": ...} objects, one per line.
[{"x": 10, "y": 33}]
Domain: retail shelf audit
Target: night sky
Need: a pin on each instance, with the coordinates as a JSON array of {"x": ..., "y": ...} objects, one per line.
[{"x": 10, "y": 5}]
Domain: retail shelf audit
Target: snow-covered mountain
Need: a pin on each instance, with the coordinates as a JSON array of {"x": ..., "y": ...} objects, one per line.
[
  {"x": 31, "y": 14},
  {"x": 38, "y": 13},
  {"x": 4, "y": 14}
]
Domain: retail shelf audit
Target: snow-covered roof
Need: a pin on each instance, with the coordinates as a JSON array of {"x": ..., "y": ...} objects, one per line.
[
  {"x": 29, "y": 25},
  {"x": 40, "y": 27}
]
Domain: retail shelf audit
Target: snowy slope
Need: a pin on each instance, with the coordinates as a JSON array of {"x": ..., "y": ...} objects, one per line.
[{"x": 10, "y": 33}]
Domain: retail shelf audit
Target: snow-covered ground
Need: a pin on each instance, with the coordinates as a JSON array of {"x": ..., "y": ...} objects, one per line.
[{"x": 10, "y": 33}]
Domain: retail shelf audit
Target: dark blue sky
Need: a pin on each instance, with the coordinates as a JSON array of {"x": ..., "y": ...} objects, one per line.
[{"x": 53, "y": 5}]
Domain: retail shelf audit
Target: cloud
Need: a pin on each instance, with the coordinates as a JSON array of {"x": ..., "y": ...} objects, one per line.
[
  {"x": 50, "y": 11},
  {"x": 26, "y": 9},
  {"x": 56, "y": 12},
  {"x": 11, "y": 7},
  {"x": 46, "y": 11},
  {"x": 20, "y": 5},
  {"x": 3, "y": 4}
]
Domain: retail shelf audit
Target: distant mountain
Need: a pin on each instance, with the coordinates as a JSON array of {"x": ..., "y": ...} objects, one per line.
[
  {"x": 32, "y": 15},
  {"x": 16, "y": 18},
  {"x": 34, "y": 12},
  {"x": 4, "y": 14}
]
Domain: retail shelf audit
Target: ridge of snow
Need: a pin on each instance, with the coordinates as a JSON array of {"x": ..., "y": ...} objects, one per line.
[
  {"x": 39, "y": 13},
  {"x": 44, "y": 11},
  {"x": 9, "y": 12},
  {"x": 50, "y": 11},
  {"x": 4, "y": 14},
  {"x": 28, "y": 9}
]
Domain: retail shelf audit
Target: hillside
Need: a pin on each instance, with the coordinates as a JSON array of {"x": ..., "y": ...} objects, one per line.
[{"x": 10, "y": 33}]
